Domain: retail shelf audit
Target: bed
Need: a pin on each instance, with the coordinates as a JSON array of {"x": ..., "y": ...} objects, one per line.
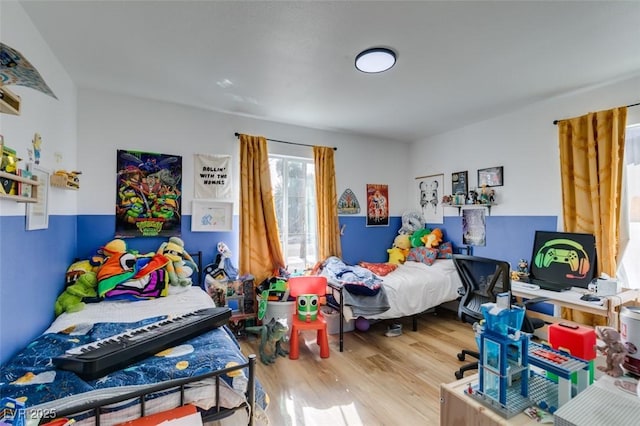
[
  {"x": 410, "y": 289},
  {"x": 208, "y": 371}
]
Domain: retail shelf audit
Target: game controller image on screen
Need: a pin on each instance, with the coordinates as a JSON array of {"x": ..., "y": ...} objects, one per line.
[{"x": 564, "y": 256}]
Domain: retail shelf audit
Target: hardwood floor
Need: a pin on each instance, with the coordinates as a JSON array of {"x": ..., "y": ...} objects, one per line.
[{"x": 377, "y": 380}]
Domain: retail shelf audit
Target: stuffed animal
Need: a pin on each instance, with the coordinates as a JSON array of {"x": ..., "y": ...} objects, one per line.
[
  {"x": 396, "y": 256},
  {"x": 403, "y": 243},
  {"x": 180, "y": 267},
  {"x": 613, "y": 348},
  {"x": 113, "y": 247},
  {"x": 432, "y": 239},
  {"x": 223, "y": 260},
  {"x": 71, "y": 299},
  {"x": 416, "y": 237},
  {"x": 272, "y": 335},
  {"x": 411, "y": 222}
]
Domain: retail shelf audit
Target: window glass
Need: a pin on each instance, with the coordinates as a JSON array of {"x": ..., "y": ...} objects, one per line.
[{"x": 293, "y": 182}]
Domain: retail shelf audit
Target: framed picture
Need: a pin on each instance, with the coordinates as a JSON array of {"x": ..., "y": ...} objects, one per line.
[
  {"x": 377, "y": 205},
  {"x": 492, "y": 176},
  {"x": 38, "y": 212},
  {"x": 430, "y": 190},
  {"x": 211, "y": 216},
  {"x": 459, "y": 183}
]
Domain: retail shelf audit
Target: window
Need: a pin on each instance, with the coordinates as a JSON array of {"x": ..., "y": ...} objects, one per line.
[
  {"x": 293, "y": 182},
  {"x": 629, "y": 270}
]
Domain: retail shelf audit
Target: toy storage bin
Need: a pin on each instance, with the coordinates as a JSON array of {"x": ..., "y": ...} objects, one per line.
[
  {"x": 333, "y": 326},
  {"x": 277, "y": 310}
]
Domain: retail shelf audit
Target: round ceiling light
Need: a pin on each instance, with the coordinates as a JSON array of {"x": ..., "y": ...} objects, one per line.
[{"x": 374, "y": 60}]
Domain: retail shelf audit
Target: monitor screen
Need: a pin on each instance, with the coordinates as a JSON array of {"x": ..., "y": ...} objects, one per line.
[{"x": 564, "y": 258}]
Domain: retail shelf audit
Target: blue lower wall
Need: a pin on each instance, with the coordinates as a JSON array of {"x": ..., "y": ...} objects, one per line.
[
  {"x": 33, "y": 263},
  {"x": 32, "y": 270}
]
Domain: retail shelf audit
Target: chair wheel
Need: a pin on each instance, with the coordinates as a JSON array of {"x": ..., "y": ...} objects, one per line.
[
  {"x": 459, "y": 375},
  {"x": 461, "y": 356}
]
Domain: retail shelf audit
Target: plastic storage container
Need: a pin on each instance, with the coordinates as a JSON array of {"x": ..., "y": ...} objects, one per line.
[
  {"x": 284, "y": 310},
  {"x": 333, "y": 326}
]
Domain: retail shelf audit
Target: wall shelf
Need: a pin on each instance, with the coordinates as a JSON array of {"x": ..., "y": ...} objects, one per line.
[
  {"x": 26, "y": 181},
  {"x": 461, "y": 207},
  {"x": 9, "y": 101}
]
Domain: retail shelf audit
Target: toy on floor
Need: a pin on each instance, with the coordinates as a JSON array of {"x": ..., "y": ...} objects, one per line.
[
  {"x": 613, "y": 348},
  {"x": 271, "y": 335}
]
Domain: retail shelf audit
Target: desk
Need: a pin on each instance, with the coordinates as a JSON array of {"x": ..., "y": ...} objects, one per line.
[
  {"x": 571, "y": 299},
  {"x": 457, "y": 408}
]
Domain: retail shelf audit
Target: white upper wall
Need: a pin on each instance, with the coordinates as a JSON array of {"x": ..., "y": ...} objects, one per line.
[
  {"x": 54, "y": 120},
  {"x": 107, "y": 122},
  {"x": 525, "y": 142}
]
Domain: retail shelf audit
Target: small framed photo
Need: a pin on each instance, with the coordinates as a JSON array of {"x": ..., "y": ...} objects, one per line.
[
  {"x": 459, "y": 183},
  {"x": 492, "y": 176},
  {"x": 211, "y": 216}
]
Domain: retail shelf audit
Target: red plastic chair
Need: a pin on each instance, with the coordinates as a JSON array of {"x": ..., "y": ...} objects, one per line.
[{"x": 311, "y": 284}]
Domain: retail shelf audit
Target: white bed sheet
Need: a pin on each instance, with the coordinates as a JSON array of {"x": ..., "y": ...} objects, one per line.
[
  {"x": 415, "y": 287},
  {"x": 126, "y": 311}
]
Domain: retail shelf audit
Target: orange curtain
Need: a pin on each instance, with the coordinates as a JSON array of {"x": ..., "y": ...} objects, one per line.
[
  {"x": 260, "y": 251},
  {"x": 327, "y": 203},
  {"x": 592, "y": 160}
]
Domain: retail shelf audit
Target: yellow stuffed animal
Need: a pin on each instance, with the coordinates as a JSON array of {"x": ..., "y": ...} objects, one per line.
[
  {"x": 180, "y": 267},
  {"x": 396, "y": 256}
]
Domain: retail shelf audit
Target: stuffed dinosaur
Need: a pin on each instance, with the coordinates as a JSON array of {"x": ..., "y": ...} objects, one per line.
[
  {"x": 271, "y": 335},
  {"x": 613, "y": 348},
  {"x": 71, "y": 299}
]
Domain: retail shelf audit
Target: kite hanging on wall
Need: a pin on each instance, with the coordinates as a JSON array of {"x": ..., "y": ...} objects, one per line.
[
  {"x": 348, "y": 203},
  {"x": 15, "y": 69}
]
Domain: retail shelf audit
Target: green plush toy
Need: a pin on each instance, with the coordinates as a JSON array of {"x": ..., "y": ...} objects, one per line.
[{"x": 71, "y": 299}]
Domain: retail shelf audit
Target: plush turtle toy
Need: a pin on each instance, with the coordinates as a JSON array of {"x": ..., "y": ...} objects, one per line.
[{"x": 71, "y": 300}]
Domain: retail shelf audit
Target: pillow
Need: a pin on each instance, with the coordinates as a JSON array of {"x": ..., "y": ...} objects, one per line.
[
  {"x": 445, "y": 250},
  {"x": 426, "y": 255},
  {"x": 380, "y": 269}
]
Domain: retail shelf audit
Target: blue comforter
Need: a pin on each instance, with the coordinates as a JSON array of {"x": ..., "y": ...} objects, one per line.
[{"x": 31, "y": 374}]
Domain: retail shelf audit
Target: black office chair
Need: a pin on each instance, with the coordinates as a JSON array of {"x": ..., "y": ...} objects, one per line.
[{"x": 483, "y": 279}]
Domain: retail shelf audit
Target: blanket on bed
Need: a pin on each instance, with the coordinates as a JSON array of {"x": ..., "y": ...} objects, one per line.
[
  {"x": 32, "y": 375},
  {"x": 364, "y": 293}
]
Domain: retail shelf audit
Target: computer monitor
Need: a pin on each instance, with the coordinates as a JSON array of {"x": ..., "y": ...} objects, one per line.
[{"x": 563, "y": 258}]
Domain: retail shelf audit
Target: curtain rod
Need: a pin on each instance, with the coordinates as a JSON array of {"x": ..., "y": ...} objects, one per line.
[
  {"x": 628, "y": 106},
  {"x": 290, "y": 143}
]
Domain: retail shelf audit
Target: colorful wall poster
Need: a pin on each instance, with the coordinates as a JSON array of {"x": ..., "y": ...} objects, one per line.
[
  {"x": 377, "y": 205},
  {"x": 148, "y": 194}
]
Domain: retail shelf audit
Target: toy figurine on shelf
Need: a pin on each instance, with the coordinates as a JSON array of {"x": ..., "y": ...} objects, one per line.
[{"x": 613, "y": 348}]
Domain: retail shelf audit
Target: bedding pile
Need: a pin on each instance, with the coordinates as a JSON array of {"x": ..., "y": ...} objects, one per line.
[{"x": 364, "y": 293}]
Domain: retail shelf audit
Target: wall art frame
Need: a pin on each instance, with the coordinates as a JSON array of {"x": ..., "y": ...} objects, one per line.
[
  {"x": 38, "y": 212},
  {"x": 460, "y": 183},
  {"x": 430, "y": 191},
  {"x": 211, "y": 216},
  {"x": 491, "y": 176}
]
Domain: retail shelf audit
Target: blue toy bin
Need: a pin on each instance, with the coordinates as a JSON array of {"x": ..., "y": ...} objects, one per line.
[{"x": 504, "y": 321}]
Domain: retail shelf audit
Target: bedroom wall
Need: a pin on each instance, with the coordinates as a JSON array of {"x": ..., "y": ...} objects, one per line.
[
  {"x": 525, "y": 142},
  {"x": 31, "y": 275},
  {"x": 108, "y": 121}
]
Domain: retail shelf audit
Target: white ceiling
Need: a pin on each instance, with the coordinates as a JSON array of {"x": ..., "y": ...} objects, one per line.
[{"x": 293, "y": 62}]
